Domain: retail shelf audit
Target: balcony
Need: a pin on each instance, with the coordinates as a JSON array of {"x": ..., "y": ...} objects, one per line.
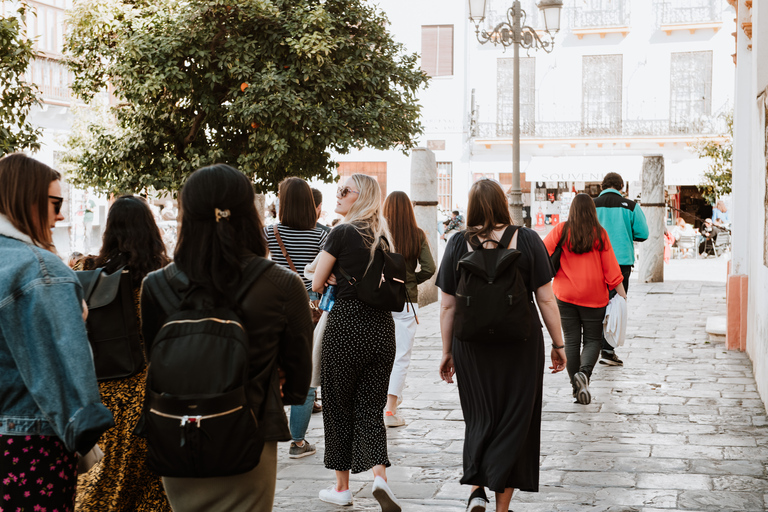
[
  {"x": 53, "y": 78},
  {"x": 573, "y": 131},
  {"x": 691, "y": 15},
  {"x": 601, "y": 17}
]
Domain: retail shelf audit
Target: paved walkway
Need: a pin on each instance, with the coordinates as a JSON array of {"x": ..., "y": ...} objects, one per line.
[{"x": 680, "y": 427}]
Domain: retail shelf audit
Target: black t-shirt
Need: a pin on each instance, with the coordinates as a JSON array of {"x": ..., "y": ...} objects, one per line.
[
  {"x": 351, "y": 253},
  {"x": 534, "y": 264}
]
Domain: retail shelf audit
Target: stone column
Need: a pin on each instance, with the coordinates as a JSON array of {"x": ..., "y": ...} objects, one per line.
[
  {"x": 652, "y": 250},
  {"x": 424, "y": 197}
]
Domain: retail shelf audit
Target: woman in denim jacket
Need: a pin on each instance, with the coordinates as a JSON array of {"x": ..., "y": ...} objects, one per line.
[{"x": 49, "y": 399}]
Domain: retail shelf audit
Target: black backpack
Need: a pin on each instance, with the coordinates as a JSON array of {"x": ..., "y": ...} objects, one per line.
[
  {"x": 492, "y": 301},
  {"x": 113, "y": 328},
  {"x": 383, "y": 284},
  {"x": 198, "y": 419}
]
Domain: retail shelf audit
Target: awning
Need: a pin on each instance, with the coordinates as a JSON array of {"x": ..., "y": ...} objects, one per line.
[
  {"x": 582, "y": 168},
  {"x": 688, "y": 171}
]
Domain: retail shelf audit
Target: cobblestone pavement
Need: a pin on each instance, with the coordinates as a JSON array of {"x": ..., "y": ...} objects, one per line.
[{"x": 680, "y": 427}]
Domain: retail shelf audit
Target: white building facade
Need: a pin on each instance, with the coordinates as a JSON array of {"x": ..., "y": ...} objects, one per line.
[{"x": 626, "y": 78}]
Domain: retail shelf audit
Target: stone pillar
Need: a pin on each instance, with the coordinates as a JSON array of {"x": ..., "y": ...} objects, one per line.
[
  {"x": 261, "y": 205},
  {"x": 424, "y": 197},
  {"x": 652, "y": 250}
]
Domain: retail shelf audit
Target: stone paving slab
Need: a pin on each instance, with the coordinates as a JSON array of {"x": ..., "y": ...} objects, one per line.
[{"x": 680, "y": 427}]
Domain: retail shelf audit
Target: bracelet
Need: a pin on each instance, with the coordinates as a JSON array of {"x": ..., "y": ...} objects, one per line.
[{"x": 561, "y": 346}]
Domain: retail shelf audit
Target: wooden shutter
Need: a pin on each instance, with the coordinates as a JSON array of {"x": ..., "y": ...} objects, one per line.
[
  {"x": 437, "y": 50},
  {"x": 429, "y": 49},
  {"x": 445, "y": 51}
]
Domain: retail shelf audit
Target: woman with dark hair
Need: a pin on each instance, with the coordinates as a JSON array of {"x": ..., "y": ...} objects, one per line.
[
  {"x": 121, "y": 481},
  {"x": 220, "y": 235},
  {"x": 588, "y": 269},
  {"x": 500, "y": 383},
  {"x": 49, "y": 404},
  {"x": 294, "y": 242},
  {"x": 358, "y": 348},
  {"x": 410, "y": 241}
]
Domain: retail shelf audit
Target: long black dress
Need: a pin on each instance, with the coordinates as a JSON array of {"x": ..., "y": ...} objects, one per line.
[{"x": 500, "y": 384}]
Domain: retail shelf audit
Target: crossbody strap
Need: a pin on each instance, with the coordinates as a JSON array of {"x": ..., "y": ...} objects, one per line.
[{"x": 282, "y": 248}]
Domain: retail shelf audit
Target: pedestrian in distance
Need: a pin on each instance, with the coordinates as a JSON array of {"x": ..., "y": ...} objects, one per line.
[
  {"x": 358, "y": 347},
  {"x": 50, "y": 410},
  {"x": 294, "y": 242},
  {"x": 499, "y": 366},
  {"x": 588, "y": 269},
  {"x": 121, "y": 481},
  {"x": 410, "y": 241},
  {"x": 221, "y": 246},
  {"x": 624, "y": 221},
  {"x": 318, "y": 198}
]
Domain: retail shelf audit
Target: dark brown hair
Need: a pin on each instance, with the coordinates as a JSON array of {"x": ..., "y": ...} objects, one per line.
[
  {"x": 297, "y": 205},
  {"x": 487, "y": 209},
  {"x": 131, "y": 238},
  {"x": 613, "y": 180},
  {"x": 406, "y": 234},
  {"x": 24, "y": 184},
  {"x": 211, "y": 252},
  {"x": 582, "y": 230}
]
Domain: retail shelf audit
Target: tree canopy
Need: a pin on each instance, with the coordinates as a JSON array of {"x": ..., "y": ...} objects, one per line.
[
  {"x": 271, "y": 87},
  {"x": 718, "y": 176},
  {"x": 17, "y": 97}
]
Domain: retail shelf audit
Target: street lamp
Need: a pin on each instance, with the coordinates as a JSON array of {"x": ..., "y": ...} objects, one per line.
[{"x": 516, "y": 34}]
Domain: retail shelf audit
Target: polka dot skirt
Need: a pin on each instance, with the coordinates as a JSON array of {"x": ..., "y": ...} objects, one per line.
[{"x": 357, "y": 356}]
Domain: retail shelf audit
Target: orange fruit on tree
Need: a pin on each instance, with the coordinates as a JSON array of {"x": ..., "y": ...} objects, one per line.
[{"x": 243, "y": 86}]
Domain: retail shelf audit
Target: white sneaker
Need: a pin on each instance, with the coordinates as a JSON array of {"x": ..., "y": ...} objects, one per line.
[
  {"x": 384, "y": 496},
  {"x": 331, "y": 495},
  {"x": 392, "y": 420}
]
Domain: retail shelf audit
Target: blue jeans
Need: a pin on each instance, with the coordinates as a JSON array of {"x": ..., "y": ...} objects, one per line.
[{"x": 300, "y": 415}]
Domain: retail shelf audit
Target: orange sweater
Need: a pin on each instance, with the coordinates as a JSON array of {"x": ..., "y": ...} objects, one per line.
[{"x": 584, "y": 279}]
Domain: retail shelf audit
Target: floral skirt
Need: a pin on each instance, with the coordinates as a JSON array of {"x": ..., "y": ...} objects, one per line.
[{"x": 37, "y": 474}]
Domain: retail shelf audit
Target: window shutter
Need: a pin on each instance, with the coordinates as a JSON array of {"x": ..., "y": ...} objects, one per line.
[
  {"x": 445, "y": 51},
  {"x": 429, "y": 49}
]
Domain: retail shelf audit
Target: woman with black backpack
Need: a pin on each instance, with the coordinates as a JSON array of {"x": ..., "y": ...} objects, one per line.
[
  {"x": 358, "y": 347},
  {"x": 121, "y": 481},
  {"x": 588, "y": 269},
  {"x": 499, "y": 369},
  {"x": 219, "y": 294}
]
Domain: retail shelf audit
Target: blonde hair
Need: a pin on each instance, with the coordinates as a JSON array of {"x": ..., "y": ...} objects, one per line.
[{"x": 366, "y": 216}]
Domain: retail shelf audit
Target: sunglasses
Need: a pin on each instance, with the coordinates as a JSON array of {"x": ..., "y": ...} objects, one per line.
[
  {"x": 343, "y": 191},
  {"x": 57, "y": 203}
]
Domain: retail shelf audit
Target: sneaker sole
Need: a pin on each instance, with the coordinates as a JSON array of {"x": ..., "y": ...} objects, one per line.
[
  {"x": 476, "y": 505},
  {"x": 386, "y": 501},
  {"x": 349, "y": 504},
  {"x": 302, "y": 455},
  {"x": 583, "y": 395},
  {"x": 394, "y": 425},
  {"x": 609, "y": 362}
]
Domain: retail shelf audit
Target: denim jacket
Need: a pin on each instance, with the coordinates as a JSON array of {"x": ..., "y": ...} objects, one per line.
[{"x": 47, "y": 380}]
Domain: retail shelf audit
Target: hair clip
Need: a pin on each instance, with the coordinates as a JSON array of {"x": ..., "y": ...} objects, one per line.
[{"x": 221, "y": 214}]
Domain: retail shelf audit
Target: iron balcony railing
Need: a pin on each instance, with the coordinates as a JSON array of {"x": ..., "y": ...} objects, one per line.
[
  {"x": 600, "y": 13},
  {"x": 713, "y": 125},
  {"x": 671, "y": 12}
]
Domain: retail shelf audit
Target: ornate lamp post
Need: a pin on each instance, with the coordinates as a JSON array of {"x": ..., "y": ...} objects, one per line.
[{"x": 516, "y": 34}]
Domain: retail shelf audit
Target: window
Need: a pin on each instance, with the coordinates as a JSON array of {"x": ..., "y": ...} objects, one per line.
[
  {"x": 601, "y": 13},
  {"x": 601, "y": 94},
  {"x": 687, "y": 11},
  {"x": 445, "y": 185},
  {"x": 437, "y": 50},
  {"x": 505, "y": 96},
  {"x": 376, "y": 170},
  {"x": 690, "y": 99}
]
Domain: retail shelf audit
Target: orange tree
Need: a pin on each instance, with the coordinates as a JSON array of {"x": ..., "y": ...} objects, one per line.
[
  {"x": 17, "y": 97},
  {"x": 271, "y": 87}
]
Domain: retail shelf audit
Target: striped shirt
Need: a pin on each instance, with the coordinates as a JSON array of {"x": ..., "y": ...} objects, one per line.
[{"x": 302, "y": 245}]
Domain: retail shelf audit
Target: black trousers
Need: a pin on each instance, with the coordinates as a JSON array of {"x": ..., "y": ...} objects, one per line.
[{"x": 626, "y": 271}]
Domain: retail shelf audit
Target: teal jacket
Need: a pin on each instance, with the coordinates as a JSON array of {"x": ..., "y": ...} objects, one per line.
[{"x": 624, "y": 221}]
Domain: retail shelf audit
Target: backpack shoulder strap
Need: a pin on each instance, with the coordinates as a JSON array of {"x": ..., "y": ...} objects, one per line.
[
  {"x": 163, "y": 285},
  {"x": 506, "y": 238}
]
